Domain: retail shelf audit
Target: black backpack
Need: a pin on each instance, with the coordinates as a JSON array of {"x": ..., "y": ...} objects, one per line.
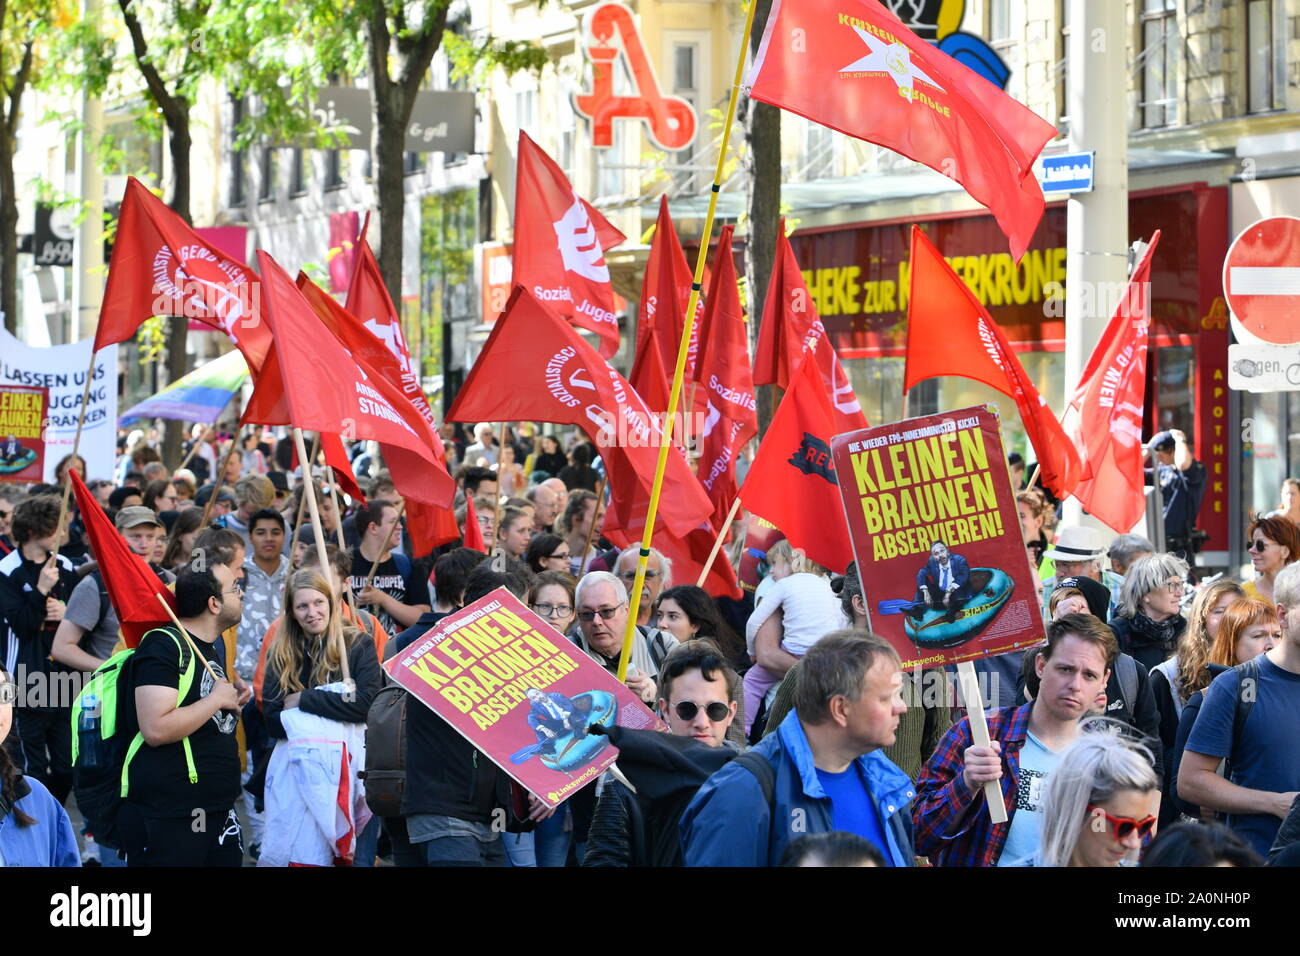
[{"x": 385, "y": 773}]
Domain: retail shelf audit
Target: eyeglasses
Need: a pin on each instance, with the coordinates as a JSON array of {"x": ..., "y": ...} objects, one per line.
[
  {"x": 716, "y": 711},
  {"x": 237, "y": 589},
  {"x": 606, "y": 613},
  {"x": 553, "y": 610},
  {"x": 1259, "y": 545},
  {"x": 558, "y": 557},
  {"x": 1175, "y": 587},
  {"x": 631, "y": 575},
  {"x": 1122, "y": 827}
]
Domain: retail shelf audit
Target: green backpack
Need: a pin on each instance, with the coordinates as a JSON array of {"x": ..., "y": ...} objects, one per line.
[{"x": 106, "y": 736}]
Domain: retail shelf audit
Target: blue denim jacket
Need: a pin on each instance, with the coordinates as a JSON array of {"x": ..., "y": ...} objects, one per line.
[
  {"x": 728, "y": 823},
  {"x": 47, "y": 842}
]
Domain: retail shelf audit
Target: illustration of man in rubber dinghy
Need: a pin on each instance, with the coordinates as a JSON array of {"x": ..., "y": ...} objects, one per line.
[
  {"x": 954, "y": 603},
  {"x": 14, "y": 455},
  {"x": 560, "y": 724}
]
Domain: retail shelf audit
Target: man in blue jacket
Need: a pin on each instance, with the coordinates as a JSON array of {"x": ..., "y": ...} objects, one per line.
[{"x": 828, "y": 769}]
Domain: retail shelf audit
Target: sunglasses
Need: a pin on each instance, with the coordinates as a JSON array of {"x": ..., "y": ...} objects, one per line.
[
  {"x": 1261, "y": 546},
  {"x": 553, "y": 610},
  {"x": 606, "y": 613},
  {"x": 1122, "y": 827},
  {"x": 717, "y": 712}
]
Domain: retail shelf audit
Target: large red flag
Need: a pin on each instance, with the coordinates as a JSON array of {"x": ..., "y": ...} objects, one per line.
[
  {"x": 792, "y": 481},
  {"x": 950, "y": 333},
  {"x": 648, "y": 376},
  {"x": 665, "y": 294},
  {"x": 160, "y": 266},
  {"x": 131, "y": 584},
  {"x": 337, "y": 459},
  {"x": 369, "y": 301},
  {"x": 792, "y": 327},
  {"x": 316, "y": 383},
  {"x": 731, "y": 419},
  {"x": 1104, "y": 419},
  {"x": 853, "y": 66},
  {"x": 560, "y": 244},
  {"x": 535, "y": 367}
]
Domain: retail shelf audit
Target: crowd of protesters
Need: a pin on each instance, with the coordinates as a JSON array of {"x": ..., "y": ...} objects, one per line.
[{"x": 1129, "y": 736}]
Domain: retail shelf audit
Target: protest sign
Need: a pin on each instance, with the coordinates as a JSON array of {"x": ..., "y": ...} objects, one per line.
[
  {"x": 22, "y": 432},
  {"x": 62, "y": 370},
  {"x": 937, "y": 537},
  {"x": 521, "y": 693}
]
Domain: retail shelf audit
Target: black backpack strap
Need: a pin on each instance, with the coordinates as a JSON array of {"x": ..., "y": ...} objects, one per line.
[
  {"x": 1247, "y": 693},
  {"x": 763, "y": 771}
]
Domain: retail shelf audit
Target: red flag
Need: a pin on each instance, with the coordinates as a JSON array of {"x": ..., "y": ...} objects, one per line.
[
  {"x": 649, "y": 377},
  {"x": 792, "y": 481},
  {"x": 429, "y": 526},
  {"x": 130, "y": 582},
  {"x": 337, "y": 458},
  {"x": 950, "y": 333},
  {"x": 731, "y": 419},
  {"x": 369, "y": 302},
  {"x": 312, "y": 381},
  {"x": 534, "y": 367},
  {"x": 161, "y": 266},
  {"x": 560, "y": 244},
  {"x": 1104, "y": 419},
  {"x": 661, "y": 316},
  {"x": 791, "y": 327},
  {"x": 853, "y": 66},
  {"x": 473, "y": 537}
]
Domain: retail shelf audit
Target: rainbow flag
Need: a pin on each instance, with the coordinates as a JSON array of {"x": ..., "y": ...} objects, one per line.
[{"x": 199, "y": 396}]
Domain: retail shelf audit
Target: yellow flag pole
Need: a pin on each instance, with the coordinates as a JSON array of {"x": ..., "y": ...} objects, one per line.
[{"x": 683, "y": 348}]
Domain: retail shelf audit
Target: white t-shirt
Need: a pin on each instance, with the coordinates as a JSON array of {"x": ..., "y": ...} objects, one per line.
[
  {"x": 811, "y": 611},
  {"x": 1036, "y": 762}
]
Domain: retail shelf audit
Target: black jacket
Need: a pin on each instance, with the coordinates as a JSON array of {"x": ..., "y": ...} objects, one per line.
[
  {"x": 1140, "y": 713},
  {"x": 363, "y": 665},
  {"x": 445, "y": 775},
  {"x": 25, "y": 637},
  {"x": 1144, "y": 648}
]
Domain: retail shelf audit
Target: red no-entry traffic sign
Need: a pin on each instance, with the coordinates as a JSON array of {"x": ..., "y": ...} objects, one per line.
[{"x": 1261, "y": 279}]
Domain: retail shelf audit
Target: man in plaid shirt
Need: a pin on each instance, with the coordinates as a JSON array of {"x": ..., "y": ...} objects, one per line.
[{"x": 951, "y": 820}]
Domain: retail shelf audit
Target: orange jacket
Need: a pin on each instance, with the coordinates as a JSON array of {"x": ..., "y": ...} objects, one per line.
[{"x": 370, "y": 624}]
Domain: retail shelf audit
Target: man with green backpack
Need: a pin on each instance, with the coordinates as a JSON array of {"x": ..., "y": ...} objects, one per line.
[{"x": 154, "y": 742}]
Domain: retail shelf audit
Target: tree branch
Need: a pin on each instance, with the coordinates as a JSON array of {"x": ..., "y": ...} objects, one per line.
[
  {"x": 422, "y": 47},
  {"x": 379, "y": 43},
  {"x": 169, "y": 104},
  {"x": 19, "y": 85}
]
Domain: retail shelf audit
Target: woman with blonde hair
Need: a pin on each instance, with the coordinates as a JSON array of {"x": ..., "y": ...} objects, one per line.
[
  {"x": 1098, "y": 803},
  {"x": 320, "y": 673},
  {"x": 1247, "y": 629}
]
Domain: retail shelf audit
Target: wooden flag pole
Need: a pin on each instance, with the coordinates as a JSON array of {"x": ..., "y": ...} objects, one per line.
[
  {"x": 979, "y": 731},
  {"x": 186, "y": 634},
  {"x": 717, "y": 544},
  {"x": 595, "y": 516},
  {"x": 302, "y": 499},
  {"x": 64, "y": 502},
  {"x": 338, "y": 530},
  {"x": 217, "y": 480},
  {"x": 327, "y": 572},
  {"x": 188, "y": 455},
  {"x": 1033, "y": 479},
  {"x": 683, "y": 348},
  {"x": 370, "y": 577}
]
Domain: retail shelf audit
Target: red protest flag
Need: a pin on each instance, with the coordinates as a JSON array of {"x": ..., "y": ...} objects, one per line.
[
  {"x": 665, "y": 294},
  {"x": 649, "y": 377},
  {"x": 1104, "y": 418},
  {"x": 792, "y": 327},
  {"x": 792, "y": 481},
  {"x": 535, "y": 367},
  {"x": 337, "y": 459},
  {"x": 560, "y": 244},
  {"x": 131, "y": 584},
  {"x": 160, "y": 266},
  {"x": 429, "y": 525},
  {"x": 731, "y": 418},
  {"x": 950, "y": 333},
  {"x": 853, "y": 66},
  {"x": 316, "y": 383},
  {"x": 473, "y": 536},
  {"x": 369, "y": 302}
]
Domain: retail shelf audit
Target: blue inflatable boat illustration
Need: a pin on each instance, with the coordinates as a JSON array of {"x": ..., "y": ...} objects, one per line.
[
  {"x": 991, "y": 590},
  {"x": 571, "y": 751}
]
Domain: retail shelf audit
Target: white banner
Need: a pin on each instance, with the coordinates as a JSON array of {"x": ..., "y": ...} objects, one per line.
[{"x": 62, "y": 369}]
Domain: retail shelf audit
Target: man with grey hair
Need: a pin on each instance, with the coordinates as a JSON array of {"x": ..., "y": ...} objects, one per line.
[
  {"x": 485, "y": 451},
  {"x": 602, "y": 608},
  {"x": 658, "y": 575},
  {"x": 1248, "y": 719},
  {"x": 822, "y": 770},
  {"x": 545, "y": 507},
  {"x": 1123, "y": 551},
  {"x": 561, "y": 494}
]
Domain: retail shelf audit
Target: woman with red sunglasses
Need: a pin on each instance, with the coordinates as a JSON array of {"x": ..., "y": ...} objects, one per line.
[{"x": 1100, "y": 803}]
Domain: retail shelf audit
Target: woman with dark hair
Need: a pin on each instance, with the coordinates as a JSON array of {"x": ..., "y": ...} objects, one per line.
[
  {"x": 687, "y": 612},
  {"x": 160, "y": 495},
  {"x": 550, "y": 459},
  {"x": 579, "y": 473},
  {"x": 1196, "y": 844},
  {"x": 61, "y": 468},
  {"x": 34, "y": 827},
  {"x": 1274, "y": 543},
  {"x": 180, "y": 543},
  {"x": 547, "y": 552}
]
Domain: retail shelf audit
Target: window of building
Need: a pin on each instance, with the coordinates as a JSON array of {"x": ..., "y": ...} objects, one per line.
[
  {"x": 298, "y": 173},
  {"x": 1062, "y": 68},
  {"x": 686, "y": 84},
  {"x": 267, "y": 169},
  {"x": 1262, "y": 55},
  {"x": 334, "y": 169},
  {"x": 238, "y": 157},
  {"x": 1161, "y": 47},
  {"x": 1000, "y": 27},
  {"x": 526, "y": 111},
  {"x": 818, "y": 151}
]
